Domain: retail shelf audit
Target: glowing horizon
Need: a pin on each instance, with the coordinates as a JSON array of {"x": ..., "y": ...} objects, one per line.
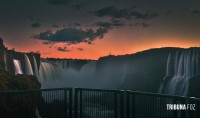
[{"x": 98, "y": 28}]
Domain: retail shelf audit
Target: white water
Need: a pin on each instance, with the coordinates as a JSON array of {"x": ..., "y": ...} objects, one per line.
[
  {"x": 18, "y": 69},
  {"x": 37, "y": 113},
  {"x": 46, "y": 72},
  {"x": 181, "y": 67},
  {"x": 67, "y": 76},
  {"x": 35, "y": 67},
  {"x": 5, "y": 60},
  {"x": 28, "y": 66}
]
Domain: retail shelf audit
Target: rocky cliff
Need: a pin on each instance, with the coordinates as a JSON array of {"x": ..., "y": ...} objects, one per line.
[
  {"x": 142, "y": 71},
  {"x": 8, "y": 78},
  {"x": 7, "y": 57}
]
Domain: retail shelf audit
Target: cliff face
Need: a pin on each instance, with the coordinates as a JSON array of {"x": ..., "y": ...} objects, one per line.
[
  {"x": 143, "y": 71},
  {"x": 7, "y": 56},
  {"x": 18, "y": 82},
  {"x": 8, "y": 79},
  {"x": 2, "y": 48}
]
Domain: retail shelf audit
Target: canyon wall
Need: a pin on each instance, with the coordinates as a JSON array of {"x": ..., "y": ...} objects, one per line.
[{"x": 7, "y": 58}]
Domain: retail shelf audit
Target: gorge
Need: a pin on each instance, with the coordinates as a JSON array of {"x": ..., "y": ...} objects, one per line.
[{"x": 163, "y": 70}]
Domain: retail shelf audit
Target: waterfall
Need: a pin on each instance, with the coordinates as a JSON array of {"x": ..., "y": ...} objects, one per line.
[
  {"x": 181, "y": 67},
  {"x": 89, "y": 67},
  {"x": 46, "y": 72},
  {"x": 28, "y": 66},
  {"x": 5, "y": 61},
  {"x": 124, "y": 73},
  {"x": 18, "y": 69},
  {"x": 68, "y": 64},
  {"x": 67, "y": 74},
  {"x": 35, "y": 67}
]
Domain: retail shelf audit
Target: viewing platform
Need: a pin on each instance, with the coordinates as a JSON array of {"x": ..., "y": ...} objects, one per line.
[{"x": 95, "y": 103}]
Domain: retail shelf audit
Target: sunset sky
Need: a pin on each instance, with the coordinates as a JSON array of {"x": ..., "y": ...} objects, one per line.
[{"x": 89, "y": 29}]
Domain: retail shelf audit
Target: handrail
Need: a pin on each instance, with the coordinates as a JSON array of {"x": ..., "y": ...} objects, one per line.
[
  {"x": 156, "y": 94},
  {"x": 31, "y": 90},
  {"x": 98, "y": 89},
  {"x": 122, "y": 103}
]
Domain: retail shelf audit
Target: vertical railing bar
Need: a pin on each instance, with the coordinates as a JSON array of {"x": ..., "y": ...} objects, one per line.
[
  {"x": 81, "y": 106},
  {"x": 76, "y": 103},
  {"x": 128, "y": 104},
  {"x": 70, "y": 103},
  {"x": 91, "y": 103},
  {"x": 115, "y": 104},
  {"x": 65, "y": 103},
  {"x": 122, "y": 104},
  {"x": 87, "y": 99},
  {"x": 98, "y": 100},
  {"x": 52, "y": 109}
]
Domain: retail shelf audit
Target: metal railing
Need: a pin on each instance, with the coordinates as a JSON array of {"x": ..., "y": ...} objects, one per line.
[
  {"x": 92, "y": 103},
  {"x": 44, "y": 103},
  {"x": 150, "y": 105},
  {"x": 99, "y": 103}
]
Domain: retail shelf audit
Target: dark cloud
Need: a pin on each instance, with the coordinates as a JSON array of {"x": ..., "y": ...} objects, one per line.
[
  {"x": 118, "y": 24},
  {"x": 77, "y": 24},
  {"x": 72, "y": 35},
  {"x": 35, "y": 24},
  {"x": 62, "y": 49},
  {"x": 167, "y": 12},
  {"x": 114, "y": 12},
  {"x": 104, "y": 24},
  {"x": 134, "y": 6},
  {"x": 32, "y": 19},
  {"x": 100, "y": 32},
  {"x": 56, "y": 26},
  {"x": 145, "y": 25},
  {"x": 145, "y": 16},
  {"x": 58, "y": 2},
  {"x": 195, "y": 12},
  {"x": 185, "y": 9},
  {"x": 79, "y": 6},
  {"x": 109, "y": 25},
  {"x": 80, "y": 49}
]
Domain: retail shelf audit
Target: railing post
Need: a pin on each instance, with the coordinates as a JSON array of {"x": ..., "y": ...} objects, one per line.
[
  {"x": 76, "y": 103},
  {"x": 116, "y": 109},
  {"x": 122, "y": 104},
  {"x": 133, "y": 105},
  {"x": 70, "y": 103},
  {"x": 127, "y": 104},
  {"x": 65, "y": 103},
  {"x": 81, "y": 109}
]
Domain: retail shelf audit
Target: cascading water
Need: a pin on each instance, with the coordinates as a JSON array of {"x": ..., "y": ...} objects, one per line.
[
  {"x": 28, "y": 66},
  {"x": 18, "y": 69},
  {"x": 124, "y": 73},
  {"x": 67, "y": 74},
  {"x": 181, "y": 67},
  {"x": 35, "y": 67},
  {"x": 5, "y": 61},
  {"x": 46, "y": 72},
  {"x": 89, "y": 67}
]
